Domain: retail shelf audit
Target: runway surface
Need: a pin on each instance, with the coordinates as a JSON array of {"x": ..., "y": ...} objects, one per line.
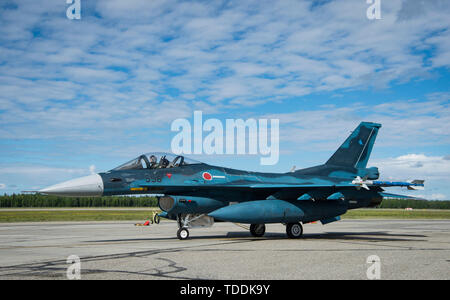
[{"x": 407, "y": 249}]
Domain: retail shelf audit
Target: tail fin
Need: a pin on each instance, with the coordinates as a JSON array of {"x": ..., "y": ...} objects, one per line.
[{"x": 356, "y": 149}]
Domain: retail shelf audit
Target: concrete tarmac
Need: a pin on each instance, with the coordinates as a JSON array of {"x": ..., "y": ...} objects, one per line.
[{"x": 407, "y": 249}]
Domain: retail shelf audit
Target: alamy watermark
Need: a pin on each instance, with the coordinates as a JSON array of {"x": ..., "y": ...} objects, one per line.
[
  {"x": 74, "y": 10},
  {"x": 374, "y": 10},
  {"x": 190, "y": 140},
  {"x": 374, "y": 270},
  {"x": 74, "y": 270}
]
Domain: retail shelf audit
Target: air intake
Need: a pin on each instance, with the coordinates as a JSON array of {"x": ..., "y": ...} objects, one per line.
[{"x": 166, "y": 203}]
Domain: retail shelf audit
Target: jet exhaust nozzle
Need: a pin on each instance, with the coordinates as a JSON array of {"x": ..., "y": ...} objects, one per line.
[{"x": 91, "y": 185}]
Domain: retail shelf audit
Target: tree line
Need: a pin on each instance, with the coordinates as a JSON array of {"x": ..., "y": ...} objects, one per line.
[
  {"x": 417, "y": 204},
  {"x": 37, "y": 200}
]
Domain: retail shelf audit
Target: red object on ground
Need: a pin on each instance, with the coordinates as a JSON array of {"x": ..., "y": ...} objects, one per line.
[{"x": 147, "y": 223}]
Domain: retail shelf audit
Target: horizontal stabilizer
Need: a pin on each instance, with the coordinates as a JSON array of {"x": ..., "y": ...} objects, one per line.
[{"x": 389, "y": 195}]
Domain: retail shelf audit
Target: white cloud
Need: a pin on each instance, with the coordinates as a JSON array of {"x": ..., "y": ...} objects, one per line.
[
  {"x": 128, "y": 68},
  {"x": 438, "y": 197},
  {"x": 433, "y": 169},
  {"x": 26, "y": 176},
  {"x": 241, "y": 53},
  {"x": 2, "y": 185},
  {"x": 415, "y": 166},
  {"x": 404, "y": 123},
  {"x": 92, "y": 169},
  {"x": 32, "y": 170},
  {"x": 435, "y": 196}
]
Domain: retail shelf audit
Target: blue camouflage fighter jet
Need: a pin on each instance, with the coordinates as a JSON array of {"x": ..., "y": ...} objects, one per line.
[{"x": 197, "y": 194}]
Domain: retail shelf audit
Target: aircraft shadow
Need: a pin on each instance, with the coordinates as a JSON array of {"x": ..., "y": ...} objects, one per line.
[{"x": 362, "y": 236}]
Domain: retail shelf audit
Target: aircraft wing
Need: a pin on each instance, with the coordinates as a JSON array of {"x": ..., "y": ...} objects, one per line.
[
  {"x": 267, "y": 190},
  {"x": 290, "y": 186},
  {"x": 286, "y": 191},
  {"x": 259, "y": 186}
]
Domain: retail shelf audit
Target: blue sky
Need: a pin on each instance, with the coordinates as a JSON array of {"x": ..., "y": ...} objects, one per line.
[{"x": 85, "y": 95}]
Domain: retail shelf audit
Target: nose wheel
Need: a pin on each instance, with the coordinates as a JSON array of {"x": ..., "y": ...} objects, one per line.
[
  {"x": 182, "y": 233},
  {"x": 294, "y": 230},
  {"x": 184, "y": 222}
]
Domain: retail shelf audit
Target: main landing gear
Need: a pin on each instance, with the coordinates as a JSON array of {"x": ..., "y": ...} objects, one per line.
[
  {"x": 185, "y": 221},
  {"x": 257, "y": 230},
  {"x": 294, "y": 230}
]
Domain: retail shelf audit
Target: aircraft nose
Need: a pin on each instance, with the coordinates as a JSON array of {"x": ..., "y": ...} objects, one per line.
[{"x": 91, "y": 185}]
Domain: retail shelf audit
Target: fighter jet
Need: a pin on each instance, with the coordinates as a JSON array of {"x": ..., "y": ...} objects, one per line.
[{"x": 198, "y": 194}]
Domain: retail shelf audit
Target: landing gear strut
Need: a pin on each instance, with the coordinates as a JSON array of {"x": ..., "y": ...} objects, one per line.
[
  {"x": 294, "y": 230},
  {"x": 257, "y": 230},
  {"x": 183, "y": 224},
  {"x": 186, "y": 221}
]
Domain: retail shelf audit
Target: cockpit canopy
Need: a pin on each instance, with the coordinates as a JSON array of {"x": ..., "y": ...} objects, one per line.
[{"x": 156, "y": 160}]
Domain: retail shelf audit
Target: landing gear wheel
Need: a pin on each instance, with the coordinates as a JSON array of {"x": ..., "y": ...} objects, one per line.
[
  {"x": 156, "y": 219},
  {"x": 257, "y": 230},
  {"x": 182, "y": 233},
  {"x": 294, "y": 230}
]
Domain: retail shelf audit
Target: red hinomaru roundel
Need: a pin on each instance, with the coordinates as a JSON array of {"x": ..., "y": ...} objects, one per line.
[{"x": 206, "y": 176}]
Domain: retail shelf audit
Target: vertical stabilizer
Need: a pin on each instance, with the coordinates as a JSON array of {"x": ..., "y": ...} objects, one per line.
[{"x": 356, "y": 149}]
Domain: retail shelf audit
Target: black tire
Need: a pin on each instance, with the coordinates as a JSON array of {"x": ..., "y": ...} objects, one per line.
[
  {"x": 156, "y": 219},
  {"x": 182, "y": 233},
  {"x": 294, "y": 230},
  {"x": 257, "y": 230}
]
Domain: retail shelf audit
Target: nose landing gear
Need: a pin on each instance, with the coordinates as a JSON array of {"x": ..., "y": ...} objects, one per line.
[
  {"x": 183, "y": 224},
  {"x": 182, "y": 233},
  {"x": 186, "y": 221}
]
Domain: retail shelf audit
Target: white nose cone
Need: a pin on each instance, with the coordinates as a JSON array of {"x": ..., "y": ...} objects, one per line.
[{"x": 91, "y": 185}]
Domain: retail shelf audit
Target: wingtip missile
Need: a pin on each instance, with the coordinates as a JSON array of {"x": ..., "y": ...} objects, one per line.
[
  {"x": 410, "y": 185},
  {"x": 416, "y": 184}
]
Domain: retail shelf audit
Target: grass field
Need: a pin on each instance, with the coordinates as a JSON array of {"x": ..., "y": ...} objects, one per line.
[
  {"x": 49, "y": 215},
  {"x": 385, "y": 213},
  {"x": 102, "y": 214}
]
